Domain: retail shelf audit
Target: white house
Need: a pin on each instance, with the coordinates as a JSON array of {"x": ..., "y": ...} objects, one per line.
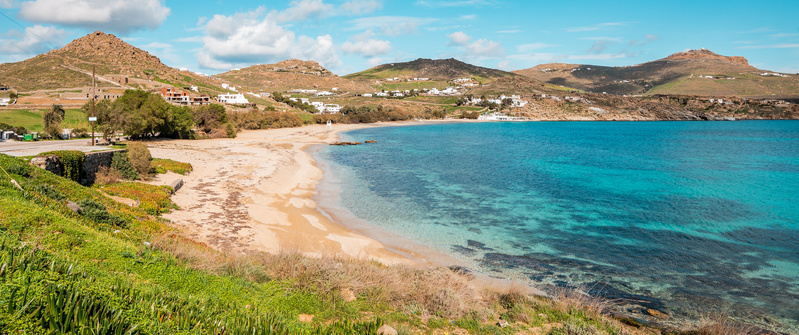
[
  {"x": 305, "y": 100},
  {"x": 381, "y": 94},
  {"x": 225, "y": 86},
  {"x": 332, "y": 108},
  {"x": 323, "y": 94},
  {"x": 368, "y": 95},
  {"x": 233, "y": 99},
  {"x": 233, "y": 88},
  {"x": 334, "y": 89},
  {"x": 320, "y": 106},
  {"x": 434, "y": 91},
  {"x": 194, "y": 88},
  {"x": 4, "y": 102}
]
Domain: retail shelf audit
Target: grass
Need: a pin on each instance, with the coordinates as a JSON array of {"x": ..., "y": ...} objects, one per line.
[
  {"x": 33, "y": 120},
  {"x": 65, "y": 272},
  {"x": 162, "y": 165}
]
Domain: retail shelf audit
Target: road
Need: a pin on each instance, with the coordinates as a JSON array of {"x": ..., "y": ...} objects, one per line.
[{"x": 21, "y": 148}]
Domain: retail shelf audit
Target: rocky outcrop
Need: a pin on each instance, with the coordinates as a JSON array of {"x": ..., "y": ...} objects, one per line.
[
  {"x": 49, "y": 163},
  {"x": 707, "y": 54},
  {"x": 346, "y": 143}
]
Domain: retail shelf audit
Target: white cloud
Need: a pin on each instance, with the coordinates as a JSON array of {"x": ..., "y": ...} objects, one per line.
[
  {"x": 303, "y": 10},
  {"x": 390, "y": 25},
  {"x": 364, "y": 45},
  {"x": 504, "y": 65},
  {"x": 110, "y": 15},
  {"x": 248, "y": 38},
  {"x": 596, "y": 27},
  {"x": 468, "y": 17},
  {"x": 512, "y": 31},
  {"x": 771, "y": 46},
  {"x": 190, "y": 39},
  {"x": 485, "y": 48},
  {"x": 534, "y": 46},
  {"x": 458, "y": 38},
  {"x": 647, "y": 38},
  {"x": 454, "y": 3},
  {"x": 358, "y": 7},
  {"x": 34, "y": 40},
  {"x": 8, "y": 3},
  {"x": 481, "y": 47}
]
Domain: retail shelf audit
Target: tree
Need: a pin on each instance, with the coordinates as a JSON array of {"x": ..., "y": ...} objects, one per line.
[
  {"x": 53, "y": 119},
  {"x": 210, "y": 117},
  {"x": 139, "y": 114}
]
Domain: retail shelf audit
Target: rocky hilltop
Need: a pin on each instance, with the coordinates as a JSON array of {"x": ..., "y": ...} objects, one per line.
[
  {"x": 707, "y": 54},
  {"x": 109, "y": 51},
  {"x": 287, "y": 75},
  {"x": 435, "y": 69}
]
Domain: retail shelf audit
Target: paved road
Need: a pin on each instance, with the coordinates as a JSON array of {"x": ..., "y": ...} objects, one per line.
[{"x": 20, "y": 148}]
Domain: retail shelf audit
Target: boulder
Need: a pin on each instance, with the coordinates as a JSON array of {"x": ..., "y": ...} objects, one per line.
[
  {"x": 176, "y": 185},
  {"x": 386, "y": 330},
  {"x": 371, "y": 141},
  {"x": 49, "y": 163},
  {"x": 74, "y": 207}
]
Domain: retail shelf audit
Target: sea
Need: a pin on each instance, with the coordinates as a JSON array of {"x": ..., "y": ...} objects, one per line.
[{"x": 692, "y": 219}]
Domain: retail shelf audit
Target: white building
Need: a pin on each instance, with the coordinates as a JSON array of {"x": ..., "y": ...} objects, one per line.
[
  {"x": 4, "y": 102},
  {"x": 233, "y": 88},
  {"x": 233, "y": 99},
  {"x": 332, "y": 109},
  {"x": 194, "y": 88},
  {"x": 323, "y": 94},
  {"x": 334, "y": 89},
  {"x": 368, "y": 95},
  {"x": 320, "y": 106},
  {"x": 225, "y": 86},
  {"x": 381, "y": 94}
]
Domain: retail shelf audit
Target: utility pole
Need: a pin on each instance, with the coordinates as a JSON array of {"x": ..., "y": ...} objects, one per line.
[{"x": 93, "y": 118}]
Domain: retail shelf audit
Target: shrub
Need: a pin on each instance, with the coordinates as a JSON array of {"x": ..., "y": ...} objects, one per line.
[
  {"x": 121, "y": 163},
  {"x": 140, "y": 158},
  {"x": 107, "y": 175},
  {"x": 230, "y": 130},
  {"x": 162, "y": 165},
  {"x": 80, "y": 133},
  {"x": 71, "y": 162},
  {"x": 54, "y": 131},
  {"x": 98, "y": 213},
  {"x": 49, "y": 192}
]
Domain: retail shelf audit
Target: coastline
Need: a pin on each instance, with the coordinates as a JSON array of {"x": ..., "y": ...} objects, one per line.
[{"x": 258, "y": 192}]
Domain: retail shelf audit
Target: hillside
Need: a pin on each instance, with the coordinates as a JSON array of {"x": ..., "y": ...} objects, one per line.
[
  {"x": 694, "y": 72},
  {"x": 118, "y": 64},
  {"x": 287, "y": 75},
  {"x": 434, "y": 69}
]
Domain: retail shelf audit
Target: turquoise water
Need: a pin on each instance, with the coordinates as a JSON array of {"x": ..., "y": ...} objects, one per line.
[{"x": 677, "y": 216}]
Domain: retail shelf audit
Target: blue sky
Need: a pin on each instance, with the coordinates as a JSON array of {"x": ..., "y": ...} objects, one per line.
[{"x": 352, "y": 35}]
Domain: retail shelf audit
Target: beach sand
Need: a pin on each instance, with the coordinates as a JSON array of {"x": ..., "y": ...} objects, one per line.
[{"x": 255, "y": 193}]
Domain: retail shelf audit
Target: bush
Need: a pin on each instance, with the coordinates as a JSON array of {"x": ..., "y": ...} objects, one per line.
[
  {"x": 121, "y": 163},
  {"x": 140, "y": 158},
  {"x": 98, "y": 213},
  {"x": 49, "y": 192},
  {"x": 53, "y": 131},
  {"x": 230, "y": 130},
  {"x": 107, "y": 175},
  {"x": 80, "y": 133}
]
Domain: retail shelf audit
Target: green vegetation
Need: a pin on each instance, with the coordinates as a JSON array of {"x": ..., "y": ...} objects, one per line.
[
  {"x": 33, "y": 120},
  {"x": 71, "y": 163},
  {"x": 162, "y": 165}
]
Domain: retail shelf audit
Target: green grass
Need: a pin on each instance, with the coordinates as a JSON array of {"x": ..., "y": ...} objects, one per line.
[
  {"x": 33, "y": 120},
  {"x": 162, "y": 165}
]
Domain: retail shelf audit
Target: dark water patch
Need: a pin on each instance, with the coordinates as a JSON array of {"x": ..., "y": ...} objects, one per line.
[
  {"x": 469, "y": 252},
  {"x": 620, "y": 297},
  {"x": 478, "y": 245},
  {"x": 778, "y": 240}
]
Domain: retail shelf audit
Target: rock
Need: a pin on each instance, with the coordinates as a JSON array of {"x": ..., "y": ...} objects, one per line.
[
  {"x": 386, "y": 330},
  {"x": 346, "y": 143},
  {"x": 502, "y": 323},
  {"x": 371, "y": 141},
  {"x": 49, "y": 163},
  {"x": 347, "y": 295},
  {"x": 656, "y": 313},
  {"x": 305, "y": 318},
  {"x": 74, "y": 207},
  {"x": 176, "y": 185}
]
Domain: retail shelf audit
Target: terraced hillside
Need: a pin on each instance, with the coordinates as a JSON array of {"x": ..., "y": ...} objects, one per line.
[
  {"x": 434, "y": 69},
  {"x": 287, "y": 75}
]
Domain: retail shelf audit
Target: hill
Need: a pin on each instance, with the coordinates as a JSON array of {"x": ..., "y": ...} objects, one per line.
[
  {"x": 287, "y": 75},
  {"x": 117, "y": 63},
  {"x": 694, "y": 72},
  {"x": 434, "y": 69}
]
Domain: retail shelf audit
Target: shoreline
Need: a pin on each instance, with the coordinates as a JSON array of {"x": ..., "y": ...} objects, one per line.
[{"x": 258, "y": 192}]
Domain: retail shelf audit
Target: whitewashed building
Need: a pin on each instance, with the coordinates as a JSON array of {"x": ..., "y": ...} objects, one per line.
[{"x": 233, "y": 99}]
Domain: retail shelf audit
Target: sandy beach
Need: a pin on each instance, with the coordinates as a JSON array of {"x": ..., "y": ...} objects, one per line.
[{"x": 255, "y": 193}]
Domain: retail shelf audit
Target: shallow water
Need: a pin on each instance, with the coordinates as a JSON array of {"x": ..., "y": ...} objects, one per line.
[{"x": 676, "y": 216}]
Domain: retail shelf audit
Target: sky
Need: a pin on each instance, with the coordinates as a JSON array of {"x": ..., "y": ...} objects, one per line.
[{"x": 347, "y": 36}]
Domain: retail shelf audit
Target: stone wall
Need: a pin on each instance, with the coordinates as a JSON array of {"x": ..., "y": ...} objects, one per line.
[{"x": 93, "y": 162}]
